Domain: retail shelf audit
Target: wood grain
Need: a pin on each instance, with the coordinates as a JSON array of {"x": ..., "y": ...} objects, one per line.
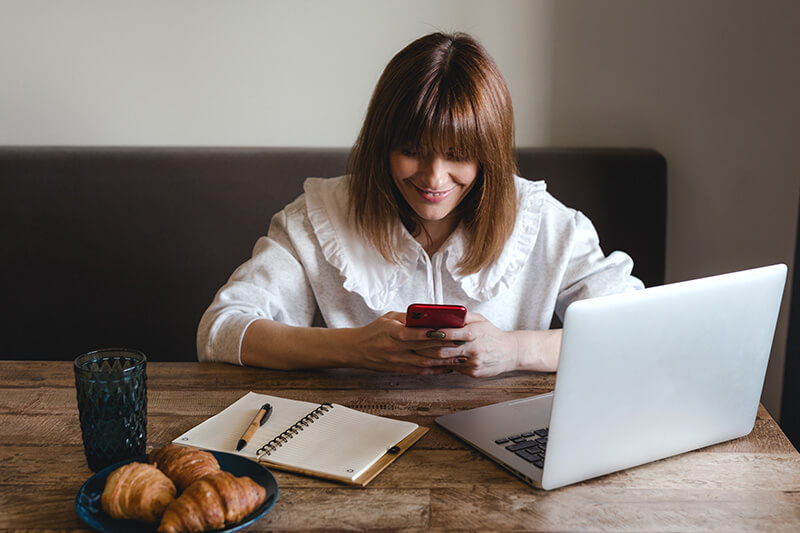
[
  {"x": 748, "y": 484},
  {"x": 585, "y": 508},
  {"x": 198, "y": 376}
]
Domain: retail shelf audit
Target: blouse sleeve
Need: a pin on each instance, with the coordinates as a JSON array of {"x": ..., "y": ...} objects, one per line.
[
  {"x": 589, "y": 272},
  {"x": 272, "y": 284}
]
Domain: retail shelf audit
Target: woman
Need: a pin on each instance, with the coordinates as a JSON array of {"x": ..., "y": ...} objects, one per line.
[{"x": 431, "y": 212}]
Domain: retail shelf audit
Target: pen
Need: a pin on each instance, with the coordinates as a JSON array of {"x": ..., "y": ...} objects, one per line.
[{"x": 261, "y": 416}]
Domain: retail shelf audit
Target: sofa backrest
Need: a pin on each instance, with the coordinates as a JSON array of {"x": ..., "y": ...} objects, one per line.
[{"x": 126, "y": 247}]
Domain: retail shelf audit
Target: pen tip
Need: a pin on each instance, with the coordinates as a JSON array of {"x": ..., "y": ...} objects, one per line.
[{"x": 241, "y": 445}]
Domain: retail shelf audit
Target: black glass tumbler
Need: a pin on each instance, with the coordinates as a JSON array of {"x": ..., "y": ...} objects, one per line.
[{"x": 111, "y": 388}]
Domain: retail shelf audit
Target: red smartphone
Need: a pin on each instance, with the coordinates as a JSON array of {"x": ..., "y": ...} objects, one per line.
[{"x": 435, "y": 316}]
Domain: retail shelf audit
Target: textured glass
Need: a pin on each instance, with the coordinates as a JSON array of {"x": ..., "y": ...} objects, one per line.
[{"x": 111, "y": 388}]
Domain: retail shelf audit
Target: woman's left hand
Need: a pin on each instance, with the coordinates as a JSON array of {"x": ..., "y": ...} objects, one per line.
[{"x": 486, "y": 350}]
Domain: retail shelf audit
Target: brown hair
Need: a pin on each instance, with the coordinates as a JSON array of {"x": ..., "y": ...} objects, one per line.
[{"x": 440, "y": 88}]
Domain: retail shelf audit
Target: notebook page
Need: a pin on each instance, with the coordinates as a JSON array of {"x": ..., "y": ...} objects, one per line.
[
  {"x": 342, "y": 442},
  {"x": 222, "y": 431}
]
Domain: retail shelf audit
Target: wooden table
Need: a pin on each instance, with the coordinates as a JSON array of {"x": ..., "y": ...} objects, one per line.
[{"x": 748, "y": 484}]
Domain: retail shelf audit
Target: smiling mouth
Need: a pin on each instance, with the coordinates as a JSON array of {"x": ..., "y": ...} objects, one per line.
[{"x": 433, "y": 196}]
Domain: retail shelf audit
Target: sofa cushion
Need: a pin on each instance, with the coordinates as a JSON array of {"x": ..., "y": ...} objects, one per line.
[{"x": 126, "y": 247}]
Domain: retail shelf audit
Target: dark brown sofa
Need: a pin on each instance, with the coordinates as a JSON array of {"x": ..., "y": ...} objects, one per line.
[{"x": 108, "y": 247}]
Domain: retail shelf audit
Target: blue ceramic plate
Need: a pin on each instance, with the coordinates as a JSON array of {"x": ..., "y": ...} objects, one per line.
[{"x": 87, "y": 502}]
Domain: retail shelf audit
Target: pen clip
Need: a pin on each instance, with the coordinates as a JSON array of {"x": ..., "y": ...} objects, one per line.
[{"x": 267, "y": 408}]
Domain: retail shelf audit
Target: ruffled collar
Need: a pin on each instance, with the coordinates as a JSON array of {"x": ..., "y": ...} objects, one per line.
[{"x": 377, "y": 280}]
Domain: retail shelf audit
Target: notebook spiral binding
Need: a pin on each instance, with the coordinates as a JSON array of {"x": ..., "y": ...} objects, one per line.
[{"x": 296, "y": 428}]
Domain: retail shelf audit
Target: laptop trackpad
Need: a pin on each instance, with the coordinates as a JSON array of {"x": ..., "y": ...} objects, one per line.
[
  {"x": 499, "y": 420},
  {"x": 527, "y": 403},
  {"x": 535, "y": 410}
]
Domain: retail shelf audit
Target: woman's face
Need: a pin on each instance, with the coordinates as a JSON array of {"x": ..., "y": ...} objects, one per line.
[{"x": 432, "y": 185}]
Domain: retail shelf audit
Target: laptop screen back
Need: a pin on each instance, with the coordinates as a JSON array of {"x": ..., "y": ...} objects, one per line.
[{"x": 653, "y": 373}]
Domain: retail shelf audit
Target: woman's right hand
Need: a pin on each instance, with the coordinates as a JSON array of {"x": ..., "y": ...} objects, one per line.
[{"x": 387, "y": 345}]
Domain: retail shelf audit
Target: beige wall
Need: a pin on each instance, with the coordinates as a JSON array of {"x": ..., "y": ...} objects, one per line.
[
  {"x": 712, "y": 84},
  {"x": 275, "y": 73}
]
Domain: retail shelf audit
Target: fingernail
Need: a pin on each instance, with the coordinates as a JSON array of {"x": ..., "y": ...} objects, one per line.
[
  {"x": 461, "y": 359},
  {"x": 459, "y": 343},
  {"x": 435, "y": 334}
]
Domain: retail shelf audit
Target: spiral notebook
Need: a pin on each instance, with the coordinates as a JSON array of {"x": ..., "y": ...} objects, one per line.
[{"x": 329, "y": 441}]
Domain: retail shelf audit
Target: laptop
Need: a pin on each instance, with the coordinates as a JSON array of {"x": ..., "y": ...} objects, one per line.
[{"x": 642, "y": 375}]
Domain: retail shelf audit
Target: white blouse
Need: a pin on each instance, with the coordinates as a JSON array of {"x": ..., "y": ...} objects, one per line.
[{"x": 314, "y": 261}]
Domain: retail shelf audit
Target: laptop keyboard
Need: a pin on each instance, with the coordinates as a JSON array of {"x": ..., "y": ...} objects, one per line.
[{"x": 530, "y": 445}]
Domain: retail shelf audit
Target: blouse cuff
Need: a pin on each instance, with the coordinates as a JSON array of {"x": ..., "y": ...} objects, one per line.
[{"x": 226, "y": 345}]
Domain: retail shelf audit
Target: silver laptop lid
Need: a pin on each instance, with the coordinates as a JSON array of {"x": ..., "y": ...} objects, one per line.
[{"x": 653, "y": 373}]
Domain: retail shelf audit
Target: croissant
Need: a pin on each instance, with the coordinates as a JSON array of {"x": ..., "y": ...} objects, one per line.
[
  {"x": 137, "y": 491},
  {"x": 212, "y": 503},
  {"x": 184, "y": 465}
]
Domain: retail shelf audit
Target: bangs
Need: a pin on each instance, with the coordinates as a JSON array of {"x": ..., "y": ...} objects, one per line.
[{"x": 439, "y": 118}]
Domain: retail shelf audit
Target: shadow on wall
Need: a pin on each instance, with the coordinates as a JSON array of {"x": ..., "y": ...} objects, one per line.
[
  {"x": 790, "y": 408},
  {"x": 712, "y": 86}
]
